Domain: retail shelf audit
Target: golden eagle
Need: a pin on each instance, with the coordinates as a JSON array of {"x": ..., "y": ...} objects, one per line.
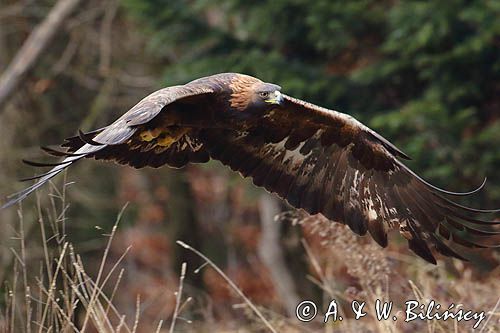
[{"x": 320, "y": 160}]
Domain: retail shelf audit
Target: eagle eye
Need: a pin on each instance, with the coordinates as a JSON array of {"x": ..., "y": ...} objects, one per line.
[{"x": 264, "y": 94}]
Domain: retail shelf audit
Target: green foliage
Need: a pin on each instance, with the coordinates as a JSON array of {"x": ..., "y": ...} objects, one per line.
[{"x": 423, "y": 73}]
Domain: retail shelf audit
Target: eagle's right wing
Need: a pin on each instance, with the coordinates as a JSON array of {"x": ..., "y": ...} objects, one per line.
[{"x": 327, "y": 162}]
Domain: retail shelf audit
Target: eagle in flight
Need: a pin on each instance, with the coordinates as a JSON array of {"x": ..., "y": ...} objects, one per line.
[{"x": 320, "y": 160}]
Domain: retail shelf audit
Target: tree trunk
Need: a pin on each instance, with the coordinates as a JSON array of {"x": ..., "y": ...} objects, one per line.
[{"x": 271, "y": 254}]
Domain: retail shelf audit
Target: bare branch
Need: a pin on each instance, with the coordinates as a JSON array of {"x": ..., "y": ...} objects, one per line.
[
  {"x": 34, "y": 45},
  {"x": 230, "y": 283}
]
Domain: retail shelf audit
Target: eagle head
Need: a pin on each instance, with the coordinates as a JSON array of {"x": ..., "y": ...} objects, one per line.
[
  {"x": 267, "y": 94},
  {"x": 251, "y": 94}
]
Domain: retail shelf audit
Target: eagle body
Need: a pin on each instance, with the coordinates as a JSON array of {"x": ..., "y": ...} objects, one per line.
[{"x": 317, "y": 159}]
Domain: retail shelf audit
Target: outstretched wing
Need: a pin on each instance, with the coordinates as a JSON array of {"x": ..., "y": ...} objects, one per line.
[
  {"x": 327, "y": 162},
  {"x": 119, "y": 142}
]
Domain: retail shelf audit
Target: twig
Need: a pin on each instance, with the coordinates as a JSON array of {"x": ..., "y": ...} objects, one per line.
[
  {"x": 66, "y": 317},
  {"x": 52, "y": 285},
  {"x": 137, "y": 312},
  {"x": 178, "y": 297},
  {"x": 230, "y": 283},
  {"x": 24, "y": 269},
  {"x": 80, "y": 290},
  {"x": 158, "y": 328},
  {"x": 113, "y": 292},
  {"x": 101, "y": 268},
  {"x": 13, "y": 298},
  {"x": 491, "y": 315}
]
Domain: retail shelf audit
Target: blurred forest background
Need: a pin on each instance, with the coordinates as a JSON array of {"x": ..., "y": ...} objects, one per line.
[{"x": 425, "y": 74}]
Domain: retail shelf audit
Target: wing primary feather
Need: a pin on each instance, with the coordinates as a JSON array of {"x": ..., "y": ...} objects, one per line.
[
  {"x": 43, "y": 174},
  {"x": 415, "y": 241},
  {"x": 463, "y": 237},
  {"x": 39, "y": 164},
  {"x": 333, "y": 207},
  {"x": 84, "y": 151},
  {"x": 459, "y": 194},
  {"x": 333, "y": 152},
  {"x": 311, "y": 197},
  {"x": 374, "y": 226},
  {"x": 468, "y": 209},
  {"x": 442, "y": 248},
  {"x": 390, "y": 145},
  {"x": 87, "y": 140},
  {"x": 55, "y": 152},
  {"x": 352, "y": 209},
  {"x": 472, "y": 230},
  {"x": 418, "y": 245},
  {"x": 450, "y": 222},
  {"x": 432, "y": 212},
  {"x": 294, "y": 191},
  {"x": 469, "y": 219},
  {"x": 413, "y": 204},
  {"x": 74, "y": 142},
  {"x": 17, "y": 197},
  {"x": 468, "y": 243},
  {"x": 445, "y": 210}
]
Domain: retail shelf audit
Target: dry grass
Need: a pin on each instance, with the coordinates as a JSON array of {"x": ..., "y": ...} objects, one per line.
[
  {"x": 389, "y": 275},
  {"x": 64, "y": 297},
  {"x": 60, "y": 293},
  {"x": 50, "y": 288},
  {"x": 249, "y": 303}
]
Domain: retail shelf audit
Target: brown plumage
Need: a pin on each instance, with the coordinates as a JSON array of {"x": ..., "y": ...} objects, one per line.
[{"x": 317, "y": 159}]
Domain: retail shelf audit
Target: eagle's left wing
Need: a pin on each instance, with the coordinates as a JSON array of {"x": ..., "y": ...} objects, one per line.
[
  {"x": 119, "y": 141},
  {"x": 327, "y": 162}
]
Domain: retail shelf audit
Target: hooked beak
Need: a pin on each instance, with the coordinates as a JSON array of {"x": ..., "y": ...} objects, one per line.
[{"x": 276, "y": 98}]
